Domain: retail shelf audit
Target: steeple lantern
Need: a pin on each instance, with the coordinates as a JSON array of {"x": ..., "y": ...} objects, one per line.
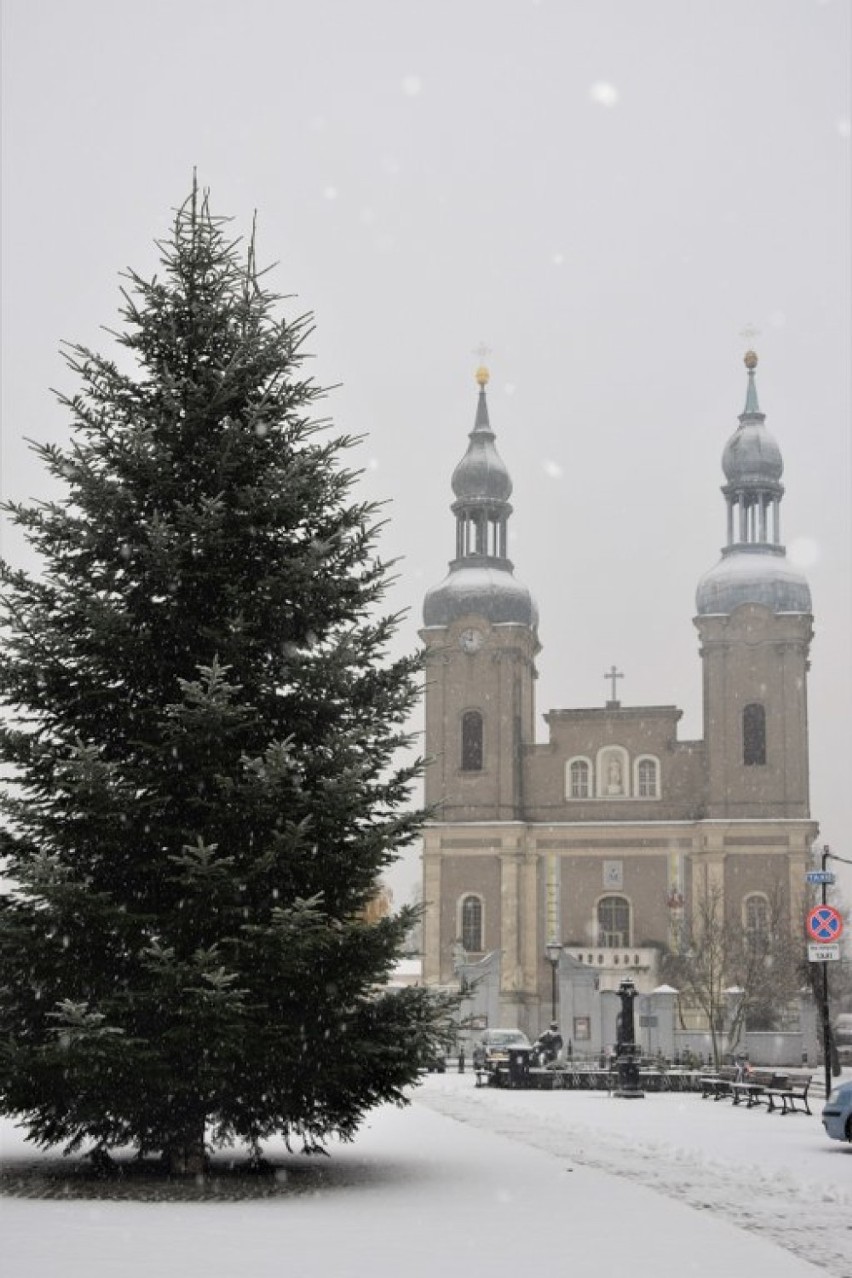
[
  {"x": 754, "y": 566},
  {"x": 753, "y": 467},
  {"x": 481, "y": 577}
]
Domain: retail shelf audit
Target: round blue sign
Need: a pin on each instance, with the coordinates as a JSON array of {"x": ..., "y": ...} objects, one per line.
[{"x": 825, "y": 923}]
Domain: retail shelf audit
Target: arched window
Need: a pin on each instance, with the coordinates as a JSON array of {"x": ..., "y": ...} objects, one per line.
[
  {"x": 471, "y": 924},
  {"x": 613, "y": 922},
  {"x": 471, "y": 752},
  {"x": 754, "y": 735},
  {"x": 647, "y": 779},
  {"x": 579, "y": 785},
  {"x": 756, "y": 923}
]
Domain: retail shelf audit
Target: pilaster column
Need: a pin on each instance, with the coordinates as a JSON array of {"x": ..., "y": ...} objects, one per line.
[
  {"x": 533, "y": 944},
  {"x": 431, "y": 917},
  {"x": 511, "y": 975}
]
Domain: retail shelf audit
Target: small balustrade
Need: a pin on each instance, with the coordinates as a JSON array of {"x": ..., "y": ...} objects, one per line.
[{"x": 615, "y": 959}]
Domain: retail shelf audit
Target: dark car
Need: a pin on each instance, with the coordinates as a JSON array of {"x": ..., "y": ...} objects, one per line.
[{"x": 493, "y": 1046}]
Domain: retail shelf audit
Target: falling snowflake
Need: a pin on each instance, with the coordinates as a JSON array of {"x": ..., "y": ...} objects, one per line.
[
  {"x": 412, "y": 85},
  {"x": 604, "y": 93}
]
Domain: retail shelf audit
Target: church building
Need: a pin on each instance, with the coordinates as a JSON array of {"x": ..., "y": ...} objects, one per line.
[{"x": 591, "y": 849}]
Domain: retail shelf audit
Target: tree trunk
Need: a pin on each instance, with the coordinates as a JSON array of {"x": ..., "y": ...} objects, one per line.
[{"x": 185, "y": 1156}]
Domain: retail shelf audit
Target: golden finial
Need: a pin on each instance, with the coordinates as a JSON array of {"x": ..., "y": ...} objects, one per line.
[
  {"x": 750, "y": 332},
  {"x": 482, "y": 373}
]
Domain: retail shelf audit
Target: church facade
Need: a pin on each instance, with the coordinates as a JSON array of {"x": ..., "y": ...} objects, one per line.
[{"x": 592, "y": 849}]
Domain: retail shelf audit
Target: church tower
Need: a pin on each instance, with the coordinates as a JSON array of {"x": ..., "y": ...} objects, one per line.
[
  {"x": 755, "y": 624},
  {"x": 480, "y": 633}
]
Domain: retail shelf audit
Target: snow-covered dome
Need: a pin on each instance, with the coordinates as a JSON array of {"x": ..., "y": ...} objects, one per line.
[
  {"x": 490, "y": 592},
  {"x": 751, "y": 455},
  {"x": 760, "y": 575}
]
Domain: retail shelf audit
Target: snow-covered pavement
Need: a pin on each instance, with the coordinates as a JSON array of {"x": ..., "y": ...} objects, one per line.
[
  {"x": 477, "y": 1182},
  {"x": 775, "y": 1176}
]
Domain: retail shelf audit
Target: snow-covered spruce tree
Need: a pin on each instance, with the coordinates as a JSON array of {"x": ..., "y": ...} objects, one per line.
[{"x": 203, "y": 728}]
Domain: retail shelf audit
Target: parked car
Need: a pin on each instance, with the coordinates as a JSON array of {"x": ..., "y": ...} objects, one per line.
[
  {"x": 843, "y": 1037},
  {"x": 837, "y": 1113},
  {"x": 493, "y": 1046},
  {"x": 435, "y": 1062}
]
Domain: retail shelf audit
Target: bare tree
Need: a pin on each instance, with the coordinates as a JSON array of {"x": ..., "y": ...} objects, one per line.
[{"x": 734, "y": 973}]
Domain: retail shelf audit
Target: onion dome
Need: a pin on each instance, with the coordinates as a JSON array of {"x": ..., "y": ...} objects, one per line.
[
  {"x": 754, "y": 566},
  {"x": 481, "y": 579},
  {"x": 747, "y": 576},
  {"x": 481, "y": 475},
  {"x": 751, "y": 456}
]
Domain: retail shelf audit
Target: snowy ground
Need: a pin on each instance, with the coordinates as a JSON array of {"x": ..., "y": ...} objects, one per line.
[{"x": 473, "y": 1182}]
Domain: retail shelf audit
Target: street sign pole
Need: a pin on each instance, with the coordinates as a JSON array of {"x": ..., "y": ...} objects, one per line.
[{"x": 826, "y": 1024}]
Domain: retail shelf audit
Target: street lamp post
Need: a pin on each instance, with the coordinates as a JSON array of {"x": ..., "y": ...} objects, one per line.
[
  {"x": 553, "y": 950},
  {"x": 626, "y": 1047}
]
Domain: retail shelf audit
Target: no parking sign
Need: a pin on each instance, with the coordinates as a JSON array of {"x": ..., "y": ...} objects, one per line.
[{"x": 825, "y": 923}]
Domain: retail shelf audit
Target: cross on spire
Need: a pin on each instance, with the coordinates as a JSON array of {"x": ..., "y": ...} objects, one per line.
[
  {"x": 750, "y": 332},
  {"x": 612, "y": 675}
]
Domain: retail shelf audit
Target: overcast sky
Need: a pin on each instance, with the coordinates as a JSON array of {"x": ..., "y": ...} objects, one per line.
[{"x": 608, "y": 194}]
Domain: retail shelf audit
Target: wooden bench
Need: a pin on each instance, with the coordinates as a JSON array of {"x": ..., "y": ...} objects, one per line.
[
  {"x": 790, "y": 1089},
  {"x": 753, "y": 1093},
  {"x": 752, "y": 1087},
  {"x": 719, "y": 1084}
]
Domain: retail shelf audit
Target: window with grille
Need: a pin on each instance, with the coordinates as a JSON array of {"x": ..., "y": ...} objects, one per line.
[
  {"x": 613, "y": 922},
  {"x": 754, "y": 735},
  {"x": 646, "y": 777},
  {"x": 579, "y": 779},
  {"x": 756, "y": 910},
  {"x": 471, "y": 924},
  {"x": 471, "y": 759}
]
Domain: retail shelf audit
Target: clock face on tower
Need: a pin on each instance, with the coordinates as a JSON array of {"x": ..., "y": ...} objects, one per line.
[{"x": 470, "y": 640}]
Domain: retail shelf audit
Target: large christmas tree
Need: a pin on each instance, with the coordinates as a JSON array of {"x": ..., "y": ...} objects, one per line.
[{"x": 201, "y": 746}]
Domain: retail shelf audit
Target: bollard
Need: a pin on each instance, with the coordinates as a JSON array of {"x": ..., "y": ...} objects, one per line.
[{"x": 519, "y": 1066}]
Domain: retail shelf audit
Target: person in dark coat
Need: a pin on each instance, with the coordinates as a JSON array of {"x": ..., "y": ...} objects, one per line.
[{"x": 548, "y": 1045}]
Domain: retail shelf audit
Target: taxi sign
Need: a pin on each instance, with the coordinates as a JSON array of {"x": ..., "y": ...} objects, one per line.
[
  {"x": 824, "y": 952},
  {"x": 824, "y": 923},
  {"x": 819, "y": 876}
]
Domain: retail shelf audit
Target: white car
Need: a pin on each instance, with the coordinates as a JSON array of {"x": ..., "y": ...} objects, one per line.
[
  {"x": 843, "y": 1037},
  {"x": 837, "y": 1113},
  {"x": 493, "y": 1046}
]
